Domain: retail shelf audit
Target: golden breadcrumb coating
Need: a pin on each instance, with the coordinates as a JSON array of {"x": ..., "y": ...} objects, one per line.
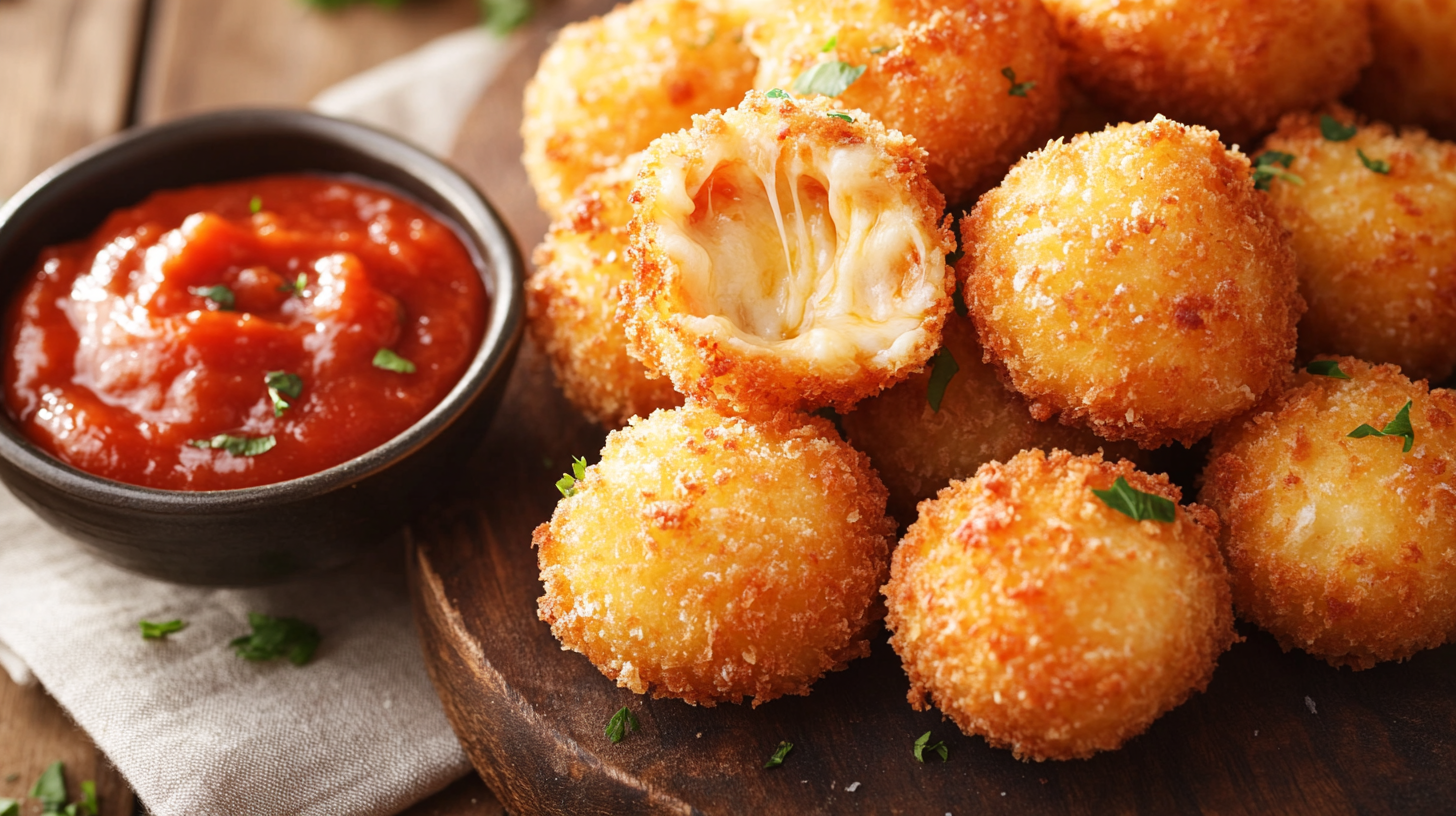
[
  {"x": 789, "y": 255},
  {"x": 571, "y": 304},
  {"x": 610, "y": 85},
  {"x": 1345, "y": 548},
  {"x": 933, "y": 71},
  {"x": 1133, "y": 281},
  {"x": 1377, "y": 252},
  {"x": 1234, "y": 66},
  {"x": 919, "y": 450},
  {"x": 710, "y": 558},
  {"x": 1031, "y": 613},
  {"x": 1413, "y": 78}
]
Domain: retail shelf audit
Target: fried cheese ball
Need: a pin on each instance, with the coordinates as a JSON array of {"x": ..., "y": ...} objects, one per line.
[
  {"x": 933, "y": 70},
  {"x": 1342, "y": 547},
  {"x": 1234, "y": 66},
  {"x": 789, "y": 255},
  {"x": 1133, "y": 281},
  {"x": 1034, "y": 615},
  {"x": 1377, "y": 251},
  {"x": 610, "y": 85},
  {"x": 571, "y": 304},
  {"x": 1413, "y": 78},
  {"x": 711, "y": 558},
  {"x": 918, "y": 449}
]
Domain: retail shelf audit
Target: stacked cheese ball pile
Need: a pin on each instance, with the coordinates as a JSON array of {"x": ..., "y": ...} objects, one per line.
[{"x": 752, "y": 225}]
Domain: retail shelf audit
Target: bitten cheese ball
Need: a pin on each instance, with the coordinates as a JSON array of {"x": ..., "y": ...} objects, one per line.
[
  {"x": 1343, "y": 547},
  {"x": 571, "y": 304},
  {"x": 1133, "y": 281},
  {"x": 1234, "y": 66},
  {"x": 1030, "y": 612},
  {"x": 789, "y": 255},
  {"x": 1413, "y": 78},
  {"x": 711, "y": 558},
  {"x": 1377, "y": 251},
  {"x": 918, "y": 450},
  {"x": 932, "y": 70},
  {"x": 610, "y": 85}
]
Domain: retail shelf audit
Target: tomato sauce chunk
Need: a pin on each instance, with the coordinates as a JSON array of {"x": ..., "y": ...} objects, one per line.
[{"x": 239, "y": 334}]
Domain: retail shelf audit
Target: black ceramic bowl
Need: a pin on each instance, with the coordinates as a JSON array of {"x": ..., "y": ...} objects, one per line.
[{"x": 261, "y": 534}]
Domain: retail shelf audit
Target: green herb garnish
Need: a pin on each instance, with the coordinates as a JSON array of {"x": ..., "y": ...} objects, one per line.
[
  {"x": 219, "y": 294},
  {"x": 1269, "y": 166},
  {"x": 778, "y": 755},
  {"x": 295, "y": 289},
  {"x": 505, "y": 16},
  {"x": 1129, "y": 501},
  {"x": 50, "y": 788},
  {"x": 943, "y": 368},
  {"x": 255, "y": 206},
  {"x": 567, "y": 483},
  {"x": 88, "y": 804},
  {"x": 158, "y": 631},
  {"x": 922, "y": 745},
  {"x": 282, "y": 384},
  {"x": 237, "y": 445},
  {"x": 389, "y": 361},
  {"x": 828, "y": 78},
  {"x": 277, "y": 637},
  {"x": 879, "y": 49},
  {"x": 1017, "y": 88},
  {"x": 9, "y": 807},
  {"x": 1333, "y": 130},
  {"x": 776, "y": 93},
  {"x": 1400, "y": 426},
  {"x": 844, "y": 116},
  {"x": 829, "y": 46},
  {"x": 1327, "y": 368},
  {"x": 620, "y": 724},
  {"x": 1380, "y": 166}
]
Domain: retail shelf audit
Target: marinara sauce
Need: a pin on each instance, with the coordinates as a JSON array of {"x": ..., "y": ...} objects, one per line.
[{"x": 230, "y": 335}]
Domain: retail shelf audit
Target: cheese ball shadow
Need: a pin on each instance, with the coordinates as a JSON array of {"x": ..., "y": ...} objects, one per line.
[
  {"x": 1342, "y": 547},
  {"x": 1133, "y": 281},
  {"x": 1376, "y": 250},
  {"x": 610, "y": 85},
  {"x": 1032, "y": 613},
  {"x": 571, "y": 304},
  {"x": 711, "y": 559},
  {"x": 789, "y": 255}
]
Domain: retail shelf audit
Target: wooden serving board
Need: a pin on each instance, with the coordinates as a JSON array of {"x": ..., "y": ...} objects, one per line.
[{"x": 1274, "y": 733}]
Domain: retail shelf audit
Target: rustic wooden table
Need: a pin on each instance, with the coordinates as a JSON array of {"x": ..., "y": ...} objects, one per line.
[{"x": 74, "y": 71}]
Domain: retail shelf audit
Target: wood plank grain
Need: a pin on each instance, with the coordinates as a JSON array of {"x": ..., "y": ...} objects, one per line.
[
  {"x": 66, "y": 71},
  {"x": 234, "y": 53},
  {"x": 34, "y": 732}
]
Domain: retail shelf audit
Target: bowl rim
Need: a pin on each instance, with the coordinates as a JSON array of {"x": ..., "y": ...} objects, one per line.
[{"x": 502, "y": 265}]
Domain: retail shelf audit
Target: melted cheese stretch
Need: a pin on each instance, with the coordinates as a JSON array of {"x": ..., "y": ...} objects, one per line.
[{"x": 805, "y": 249}]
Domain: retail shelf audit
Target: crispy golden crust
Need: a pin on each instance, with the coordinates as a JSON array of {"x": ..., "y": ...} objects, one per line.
[
  {"x": 918, "y": 450},
  {"x": 571, "y": 304},
  {"x": 610, "y": 85},
  {"x": 1377, "y": 252},
  {"x": 1133, "y": 281},
  {"x": 786, "y": 258},
  {"x": 933, "y": 72},
  {"x": 1234, "y": 66},
  {"x": 1413, "y": 78},
  {"x": 1034, "y": 615},
  {"x": 710, "y": 558},
  {"x": 1345, "y": 548}
]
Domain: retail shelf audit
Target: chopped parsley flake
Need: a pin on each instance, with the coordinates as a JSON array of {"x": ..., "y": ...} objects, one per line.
[
  {"x": 1327, "y": 368},
  {"x": 1335, "y": 131},
  {"x": 844, "y": 116},
  {"x": 88, "y": 806},
  {"x": 273, "y": 638},
  {"x": 776, "y": 93},
  {"x": 1269, "y": 166},
  {"x": 567, "y": 483},
  {"x": 50, "y": 788},
  {"x": 237, "y": 445},
  {"x": 505, "y": 16},
  {"x": 219, "y": 294},
  {"x": 295, "y": 289},
  {"x": 879, "y": 49},
  {"x": 1400, "y": 426},
  {"x": 9, "y": 807},
  {"x": 621, "y": 723},
  {"x": 943, "y": 368},
  {"x": 829, "y": 46},
  {"x": 255, "y": 206},
  {"x": 282, "y": 384},
  {"x": 778, "y": 755},
  {"x": 1380, "y": 166},
  {"x": 1140, "y": 506},
  {"x": 389, "y": 361},
  {"x": 828, "y": 78},
  {"x": 158, "y": 631},
  {"x": 1017, "y": 88},
  {"x": 922, "y": 745}
]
